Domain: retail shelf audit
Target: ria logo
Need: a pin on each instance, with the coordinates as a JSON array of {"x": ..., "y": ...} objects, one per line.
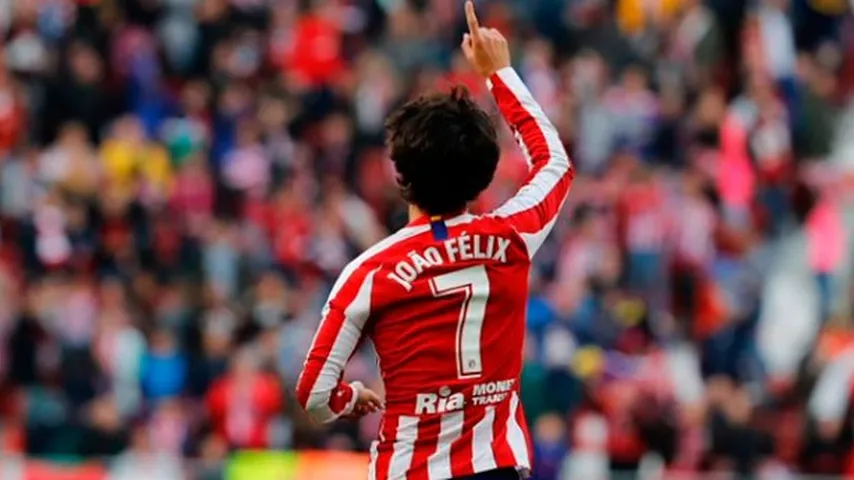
[{"x": 445, "y": 401}]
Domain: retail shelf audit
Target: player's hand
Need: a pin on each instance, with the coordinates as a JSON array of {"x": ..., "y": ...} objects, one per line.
[
  {"x": 367, "y": 401},
  {"x": 485, "y": 48}
]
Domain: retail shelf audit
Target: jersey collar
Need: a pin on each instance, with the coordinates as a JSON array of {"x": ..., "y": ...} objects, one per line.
[{"x": 451, "y": 218}]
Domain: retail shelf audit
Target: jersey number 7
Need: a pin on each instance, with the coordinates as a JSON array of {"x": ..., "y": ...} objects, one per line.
[{"x": 473, "y": 283}]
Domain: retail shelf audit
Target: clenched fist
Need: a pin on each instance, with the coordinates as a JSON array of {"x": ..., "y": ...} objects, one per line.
[{"x": 485, "y": 48}]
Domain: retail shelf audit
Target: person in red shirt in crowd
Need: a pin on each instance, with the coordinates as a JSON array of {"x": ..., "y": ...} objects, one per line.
[
  {"x": 643, "y": 225},
  {"x": 289, "y": 227},
  {"x": 11, "y": 113},
  {"x": 244, "y": 401},
  {"x": 314, "y": 57}
]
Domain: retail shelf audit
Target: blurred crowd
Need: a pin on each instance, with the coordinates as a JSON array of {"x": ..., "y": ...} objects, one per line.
[{"x": 182, "y": 180}]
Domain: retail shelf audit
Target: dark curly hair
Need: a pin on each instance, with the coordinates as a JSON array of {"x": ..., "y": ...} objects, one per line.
[{"x": 445, "y": 150}]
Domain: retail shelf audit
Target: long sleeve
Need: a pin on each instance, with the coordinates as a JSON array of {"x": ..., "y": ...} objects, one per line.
[
  {"x": 534, "y": 209},
  {"x": 320, "y": 390}
]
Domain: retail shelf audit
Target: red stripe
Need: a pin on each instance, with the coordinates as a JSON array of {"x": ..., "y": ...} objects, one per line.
[
  {"x": 385, "y": 449},
  {"x": 330, "y": 328},
  {"x": 427, "y": 429},
  {"x": 462, "y": 451}
]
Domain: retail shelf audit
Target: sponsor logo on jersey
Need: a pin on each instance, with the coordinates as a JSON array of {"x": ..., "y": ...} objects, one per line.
[
  {"x": 488, "y": 393},
  {"x": 491, "y": 392},
  {"x": 443, "y": 402}
]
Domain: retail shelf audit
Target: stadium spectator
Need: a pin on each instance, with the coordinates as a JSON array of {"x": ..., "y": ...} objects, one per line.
[{"x": 244, "y": 402}]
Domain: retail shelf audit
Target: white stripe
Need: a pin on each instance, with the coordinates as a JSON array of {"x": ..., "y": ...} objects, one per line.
[
  {"x": 372, "y": 467},
  {"x": 482, "y": 457},
  {"x": 534, "y": 192},
  {"x": 515, "y": 436},
  {"x": 439, "y": 463},
  {"x": 404, "y": 447},
  {"x": 356, "y": 314},
  {"x": 525, "y": 153}
]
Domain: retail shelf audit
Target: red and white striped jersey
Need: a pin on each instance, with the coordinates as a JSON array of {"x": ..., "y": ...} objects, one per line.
[{"x": 447, "y": 319}]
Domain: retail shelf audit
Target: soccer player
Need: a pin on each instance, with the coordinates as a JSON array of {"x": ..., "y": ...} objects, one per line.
[{"x": 444, "y": 298}]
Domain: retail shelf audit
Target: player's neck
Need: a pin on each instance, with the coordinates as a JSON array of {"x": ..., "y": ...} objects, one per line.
[{"x": 415, "y": 213}]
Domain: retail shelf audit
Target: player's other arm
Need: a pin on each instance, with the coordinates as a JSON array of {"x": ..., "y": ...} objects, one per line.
[
  {"x": 320, "y": 390},
  {"x": 533, "y": 210}
]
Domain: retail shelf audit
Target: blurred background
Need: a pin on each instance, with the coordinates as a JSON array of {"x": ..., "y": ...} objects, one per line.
[{"x": 182, "y": 180}]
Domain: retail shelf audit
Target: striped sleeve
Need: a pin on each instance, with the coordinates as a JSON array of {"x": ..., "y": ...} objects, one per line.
[
  {"x": 320, "y": 390},
  {"x": 534, "y": 209}
]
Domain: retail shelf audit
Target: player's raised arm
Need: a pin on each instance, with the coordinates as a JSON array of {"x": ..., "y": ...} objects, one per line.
[
  {"x": 320, "y": 390},
  {"x": 533, "y": 210}
]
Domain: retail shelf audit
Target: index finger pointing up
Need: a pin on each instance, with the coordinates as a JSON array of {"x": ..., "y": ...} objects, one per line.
[{"x": 471, "y": 19}]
